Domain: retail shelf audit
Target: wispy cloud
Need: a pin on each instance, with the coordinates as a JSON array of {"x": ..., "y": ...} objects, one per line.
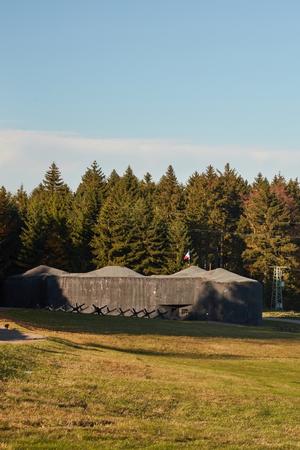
[{"x": 25, "y": 156}]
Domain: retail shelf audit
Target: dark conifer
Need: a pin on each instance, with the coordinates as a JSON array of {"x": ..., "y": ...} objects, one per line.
[
  {"x": 232, "y": 190},
  {"x": 112, "y": 180},
  {"x": 157, "y": 241},
  {"x": 47, "y": 216},
  {"x": 87, "y": 203},
  {"x": 116, "y": 235},
  {"x": 20, "y": 199},
  {"x": 9, "y": 234},
  {"x": 53, "y": 181},
  {"x": 148, "y": 188},
  {"x": 179, "y": 244},
  {"x": 169, "y": 199}
]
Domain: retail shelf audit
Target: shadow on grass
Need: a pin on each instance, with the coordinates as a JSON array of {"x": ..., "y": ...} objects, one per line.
[
  {"x": 68, "y": 343},
  {"x": 138, "y": 351},
  {"x": 181, "y": 355},
  {"x": 112, "y": 325},
  {"x": 14, "y": 335}
]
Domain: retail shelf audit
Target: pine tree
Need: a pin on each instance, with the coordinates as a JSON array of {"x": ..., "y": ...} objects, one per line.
[
  {"x": 46, "y": 235},
  {"x": 87, "y": 203},
  {"x": 179, "y": 244},
  {"x": 148, "y": 189},
  {"x": 267, "y": 224},
  {"x": 157, "y": 242},
  {"x": 196, "y": 197},
  {"x": 116, "y": 235},
  {"x": 293, "y": 189},
  {"x": 169, "y": 197},
  {"x": 288, "y": 193},
  {"x": 281, "y": 189},
  {"x": 113, "y": 233},
  {"x": 102, "y": 234},
  {"x": 112, "y": 180},
  {"x": 34, "y": 233},
  {"x": 20, "y": 199},
  {"x": 130, "y": 183},
  {"x": 140, "y": 217},
  {"x": 9, "y": 234},
  {"x": 202, "y": 203},
  {"x": 53, "y": 181},
  {"x": 232, "y": 190},
  {"x": 214, "y": 204}
]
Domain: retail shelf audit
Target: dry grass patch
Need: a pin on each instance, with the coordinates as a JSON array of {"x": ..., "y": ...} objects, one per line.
[{"x": 209, "y": 386}]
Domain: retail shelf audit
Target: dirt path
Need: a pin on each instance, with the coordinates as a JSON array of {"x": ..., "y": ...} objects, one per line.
[{"x": 14, "y": 336}]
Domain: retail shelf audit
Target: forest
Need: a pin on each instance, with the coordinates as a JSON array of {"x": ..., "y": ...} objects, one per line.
[{"x": 219, "y": 217}]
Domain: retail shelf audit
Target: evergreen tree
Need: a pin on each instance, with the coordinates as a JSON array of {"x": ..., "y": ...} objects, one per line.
[
  {"x": 46, "y": 235},
  {"x": 148, "y": 189},
  {"x": 117, "y": 237},
  {"x": 87, "y": 203},
  {"x": 202, "y": 202},
  {"x": 214, "y": 203},
  {"x": 101, "y": 242},
  {"x": 140, "y": 218},
  {"x": 293, "y": 189},
  {"x": 169, "y": 197},
  {"x": 9, "y": 234},
  {"x": 20, "y": 200},
  {"x": 281, "y": 189},
  {"x": 179, "y": 244},
  {"x": 112, "y": 180},
  {"x": 157, "y": 242},
  {"x": 232, "y": 190},
  {"x": 288, "y": 193},
  {"x": 53, "y": 181},
  {"x": 130, "y": 183},
  {"x": 267, "y": 224},
  {"x": 34, "y": 233},
  {"x": 196, "y": 197}
]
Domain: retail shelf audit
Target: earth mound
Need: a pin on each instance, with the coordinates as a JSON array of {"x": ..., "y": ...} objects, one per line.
[
  {"x": 113, "y": 271},
  {"x": 42, "y": 271},
  {"x": 190, "y": 272},
  {"x": 225, "y": 276}
]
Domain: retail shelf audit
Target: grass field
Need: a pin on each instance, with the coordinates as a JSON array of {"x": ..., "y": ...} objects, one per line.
[{"x": 117, "y": 383}]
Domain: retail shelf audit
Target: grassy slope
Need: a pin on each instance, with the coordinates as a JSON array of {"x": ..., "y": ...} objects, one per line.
[{"x": 112, "y": 383}]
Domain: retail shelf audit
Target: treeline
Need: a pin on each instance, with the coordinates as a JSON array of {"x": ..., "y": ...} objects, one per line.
[{"x": 218, "y": 216}]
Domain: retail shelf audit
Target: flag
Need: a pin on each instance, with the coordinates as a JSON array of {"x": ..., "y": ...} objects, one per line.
[{"x": 187, "y": 256}]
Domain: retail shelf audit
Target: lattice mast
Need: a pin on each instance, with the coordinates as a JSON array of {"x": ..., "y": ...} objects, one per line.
[{"x": 277, "y": 288}]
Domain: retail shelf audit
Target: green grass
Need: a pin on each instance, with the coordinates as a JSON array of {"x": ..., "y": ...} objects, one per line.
[{"x": 117, "y": 383}]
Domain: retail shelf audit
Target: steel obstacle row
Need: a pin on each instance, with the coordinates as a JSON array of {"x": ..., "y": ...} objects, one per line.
[{"x": 105, "y": 311}]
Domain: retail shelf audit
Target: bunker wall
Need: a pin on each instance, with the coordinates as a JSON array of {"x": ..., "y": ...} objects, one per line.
[
  {"x": 25, "y": 292},
  {"x": 138, "y": 293},
  {"x": 228, "y": 302},
  {"x": 202, "y": 299}
]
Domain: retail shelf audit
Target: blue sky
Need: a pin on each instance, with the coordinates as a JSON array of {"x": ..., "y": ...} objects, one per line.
[{"x": 148, "y": 83}]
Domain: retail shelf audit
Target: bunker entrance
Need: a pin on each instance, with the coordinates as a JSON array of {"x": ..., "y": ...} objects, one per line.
[{"x": 175, "y": 311}]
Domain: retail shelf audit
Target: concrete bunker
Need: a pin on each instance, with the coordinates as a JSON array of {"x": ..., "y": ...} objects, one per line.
[{"x": 192, "y": 293}]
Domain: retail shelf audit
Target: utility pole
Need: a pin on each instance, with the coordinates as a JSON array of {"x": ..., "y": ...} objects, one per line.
[{"x": 277, "y": 288}]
